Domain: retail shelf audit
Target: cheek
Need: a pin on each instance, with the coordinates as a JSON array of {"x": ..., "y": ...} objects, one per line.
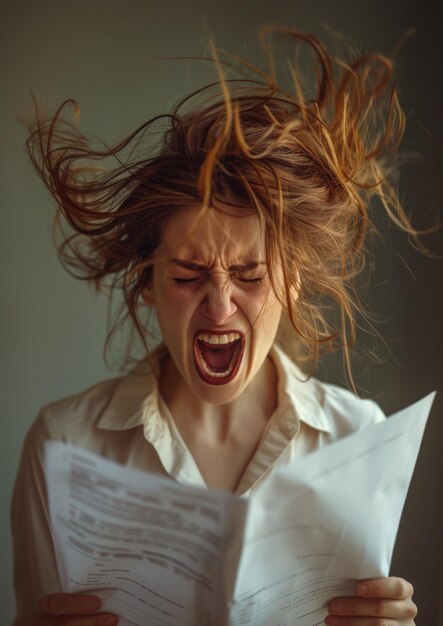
[
  {"x": 264, "y": 311},
  {"x": 174, "y": 309},
  {"x": 170, "y": 295},
  {"x": 271, "y": 320}
]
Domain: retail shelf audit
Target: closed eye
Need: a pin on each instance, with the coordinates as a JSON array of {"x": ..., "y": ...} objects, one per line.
[
  {"x": 181, "y": 282},
  {"x": 253, "y": 281},
  {"x": 258, "y": 280}
]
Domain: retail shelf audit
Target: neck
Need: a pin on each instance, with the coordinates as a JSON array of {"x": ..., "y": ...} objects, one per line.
[{"x": 218, "y": 424}]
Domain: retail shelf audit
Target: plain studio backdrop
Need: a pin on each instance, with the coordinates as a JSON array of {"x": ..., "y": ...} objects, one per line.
[{"x": 53, "y": 328}]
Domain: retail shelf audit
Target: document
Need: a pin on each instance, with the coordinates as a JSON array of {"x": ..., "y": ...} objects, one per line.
[{"x": 160, "y": 553}]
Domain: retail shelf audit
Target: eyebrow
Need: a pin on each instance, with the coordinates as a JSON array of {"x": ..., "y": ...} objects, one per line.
[{"x": 241, "y": 267}]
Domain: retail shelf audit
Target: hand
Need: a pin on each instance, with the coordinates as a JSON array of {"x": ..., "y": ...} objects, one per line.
[
  {"x": 379, "y": 602},
  {"x": 72, "y": 609}
]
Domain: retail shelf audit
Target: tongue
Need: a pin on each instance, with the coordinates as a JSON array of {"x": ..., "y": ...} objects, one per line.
[{"x": 218, "y": 359}]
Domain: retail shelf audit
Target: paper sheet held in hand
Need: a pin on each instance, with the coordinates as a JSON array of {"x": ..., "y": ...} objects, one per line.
[{"x": 162, "y": 554}]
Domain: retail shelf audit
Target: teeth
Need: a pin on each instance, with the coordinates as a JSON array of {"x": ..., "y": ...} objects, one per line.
[
  {"x": 219, "y": 339},
  {"x": 224, "y": 339}
]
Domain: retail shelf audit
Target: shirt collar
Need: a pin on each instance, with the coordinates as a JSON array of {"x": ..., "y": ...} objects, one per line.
[
  {"x": 135, "y": 399},
  {"x": 133, "y": 394},
  {"x": 300, "y": 393}
]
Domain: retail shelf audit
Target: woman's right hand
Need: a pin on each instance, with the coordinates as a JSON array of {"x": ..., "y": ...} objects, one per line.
[{"x": 72, "y": 609}]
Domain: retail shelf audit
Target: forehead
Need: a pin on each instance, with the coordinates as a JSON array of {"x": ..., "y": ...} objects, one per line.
[{"x": 218, "y": 236}]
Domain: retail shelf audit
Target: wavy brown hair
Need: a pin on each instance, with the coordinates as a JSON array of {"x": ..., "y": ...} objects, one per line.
[{"x": 308, "y": 159}]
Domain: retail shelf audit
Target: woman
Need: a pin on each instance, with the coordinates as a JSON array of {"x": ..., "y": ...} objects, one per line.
[{"x": 243, "y": 228}]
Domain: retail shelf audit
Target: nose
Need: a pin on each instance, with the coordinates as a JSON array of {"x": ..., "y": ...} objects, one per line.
[{"x": 218, "y": 305}]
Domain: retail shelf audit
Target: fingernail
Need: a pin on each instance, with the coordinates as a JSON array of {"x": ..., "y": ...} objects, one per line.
[
  {"x": 332, "y": 621},
  {"x": 362, "y": 589}
]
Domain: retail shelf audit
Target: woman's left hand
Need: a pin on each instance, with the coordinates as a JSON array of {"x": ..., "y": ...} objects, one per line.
[{"x": 379, "y": 602}]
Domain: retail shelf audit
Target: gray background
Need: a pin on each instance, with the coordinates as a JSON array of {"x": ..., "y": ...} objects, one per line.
[{"x": 53, "y": 328}]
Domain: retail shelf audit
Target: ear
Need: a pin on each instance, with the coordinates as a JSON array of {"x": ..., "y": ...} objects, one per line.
[{"x": 148, "y": 296}]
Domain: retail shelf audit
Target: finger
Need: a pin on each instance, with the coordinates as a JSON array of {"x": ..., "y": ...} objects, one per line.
[
  {"x": 392, "y": 587},
  {"x": 69, "y": 604},
  {"x": 99, "y": 619},
  {"x": 403, "y": 610},
  {"x": 362, "y": 621}
]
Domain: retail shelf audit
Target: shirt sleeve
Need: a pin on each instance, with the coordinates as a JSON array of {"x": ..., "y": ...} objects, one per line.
[{"x": 35, "y": 567}]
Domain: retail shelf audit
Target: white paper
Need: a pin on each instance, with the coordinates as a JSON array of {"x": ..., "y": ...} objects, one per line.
[{"x": 163, "y": 554}]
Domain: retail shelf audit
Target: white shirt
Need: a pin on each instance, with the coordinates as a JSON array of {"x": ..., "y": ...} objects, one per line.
[{"x": 126, "y": 420}]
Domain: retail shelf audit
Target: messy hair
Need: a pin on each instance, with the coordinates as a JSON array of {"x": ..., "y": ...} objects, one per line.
[{"x": 308, "y": 158}]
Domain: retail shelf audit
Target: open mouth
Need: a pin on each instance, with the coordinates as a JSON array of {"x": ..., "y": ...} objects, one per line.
[{"x": 218, "y": 355}]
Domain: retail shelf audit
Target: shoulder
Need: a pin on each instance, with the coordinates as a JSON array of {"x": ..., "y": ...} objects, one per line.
[
  {"x": 61, "y": 420},
  {"x": 326, "y": 406},
  {"x": 346, "y": 412},
  {"x": 78, "y": 411},
  {"x": 112, "y": 404}
]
